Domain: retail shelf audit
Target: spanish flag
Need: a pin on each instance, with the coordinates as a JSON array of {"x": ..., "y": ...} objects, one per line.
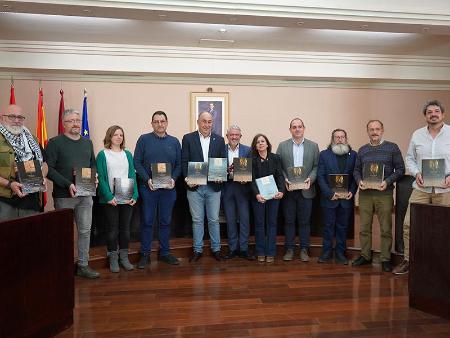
[
  {"x": 41, "y": 128},
  {"x": 41, "y": 131}
]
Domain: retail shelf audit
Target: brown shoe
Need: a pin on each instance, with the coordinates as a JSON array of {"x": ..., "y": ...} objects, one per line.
[{"x": 401, "y": 269}]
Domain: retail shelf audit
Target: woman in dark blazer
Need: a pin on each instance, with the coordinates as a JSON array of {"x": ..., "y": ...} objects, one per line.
[{"x": 266, "y": 163}]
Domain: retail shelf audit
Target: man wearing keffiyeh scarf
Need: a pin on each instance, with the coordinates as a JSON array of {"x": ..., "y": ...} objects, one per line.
[{"x": 16, "y": 145}]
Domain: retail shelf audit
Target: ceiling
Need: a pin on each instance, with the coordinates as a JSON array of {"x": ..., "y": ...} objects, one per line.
[{"x": 297, "y": 26}]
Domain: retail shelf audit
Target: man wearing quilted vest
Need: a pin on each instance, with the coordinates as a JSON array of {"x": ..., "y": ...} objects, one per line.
[{"x": 17, "y": 145}]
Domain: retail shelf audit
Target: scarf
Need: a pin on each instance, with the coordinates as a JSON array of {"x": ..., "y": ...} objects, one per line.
[{"x": 24, "y": 145}]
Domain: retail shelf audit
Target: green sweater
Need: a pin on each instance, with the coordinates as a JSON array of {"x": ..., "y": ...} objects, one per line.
[
  {"x": 104, "y": 191},
  {"x": 63, "y": 155}
]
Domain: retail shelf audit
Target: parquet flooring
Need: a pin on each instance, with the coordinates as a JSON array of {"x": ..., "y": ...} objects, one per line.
[{"x": 248, "y": 299}]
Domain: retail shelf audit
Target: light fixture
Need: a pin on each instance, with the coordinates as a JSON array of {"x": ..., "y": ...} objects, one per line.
[
  {"x": 300, "y": 23},
  {"x": 223, "y": 30}
]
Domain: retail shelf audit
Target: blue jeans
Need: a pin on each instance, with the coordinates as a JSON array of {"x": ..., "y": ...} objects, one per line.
[
  {"x": 235, "y": 201},
  {"x": 336, "y": 220},
  {"x": 82, "y": 207},
  {"x": 266, "y": 227},
  {"x": 161, "y": 201},
  {"x": 297, "y": 207},
  {"x": 199, "y": 200}
]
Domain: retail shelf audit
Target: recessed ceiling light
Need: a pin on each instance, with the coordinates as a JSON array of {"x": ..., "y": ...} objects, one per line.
[
  {"x": 300, "y": 23},
  {"x": 425, "y": 29},
  {"x": 86, "y": 10},
  {"x": 365, "y": 26},
  {"x": 223, "y": 30},
  {"x": 162, "y": 16},
  {"x": 5, "y": 6}
]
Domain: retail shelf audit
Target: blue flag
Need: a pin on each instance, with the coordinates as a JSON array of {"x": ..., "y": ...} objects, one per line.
[{"x": 85, "y": 122}]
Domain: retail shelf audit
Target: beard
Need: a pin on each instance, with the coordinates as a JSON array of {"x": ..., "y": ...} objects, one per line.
[
  {"x": 340, "y": 149},
  {"x": 15, "y": 130}
]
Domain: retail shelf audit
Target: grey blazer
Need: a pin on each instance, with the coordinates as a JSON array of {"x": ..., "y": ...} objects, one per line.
[{"x": 310, "y": 161}]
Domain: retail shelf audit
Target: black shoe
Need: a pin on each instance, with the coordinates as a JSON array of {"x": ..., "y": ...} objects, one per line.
[
  {"x": 143, "y": 261},
  {"x": 169, "y": 259},
  {"x": 361, "y": 261},
  {"x": 87, "y": 272},
  {"x": 386, "y": 266},
  {"x": 195, "y": 257},
  {"x": 247, "y": 256},
  {"x": 231, "y": 254},
  {"x": 324, "y": 258},
  {"x": 341, "y": 259},
  {"x": 217, "y": 256}
]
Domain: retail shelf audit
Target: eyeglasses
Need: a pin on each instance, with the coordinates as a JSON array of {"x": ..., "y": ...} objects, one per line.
[
  {"x": 73, "y": 121},
  {"x": 12, "y": 117}
]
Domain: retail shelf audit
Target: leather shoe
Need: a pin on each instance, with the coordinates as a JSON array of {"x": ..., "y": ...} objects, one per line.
[
  {"x": 217, "y": 256},
  {"x": 341, "y": 259},
  {"x": 231, "y": 254},
  {"x": 195, "y": 257},
  {"x": 386, "y": 266},
  {"x": 247, "y": 256},
  {"x": 361, "y": 261}
]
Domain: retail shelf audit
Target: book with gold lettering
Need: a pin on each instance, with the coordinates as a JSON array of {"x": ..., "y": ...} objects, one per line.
[
  {"x": 217, "y": 169},
  {"x": 30, "y": 176},
  {"x": 339, "y": 184},
  {"x": 85, "y": 181},
  {"x": 197, "y": 173},
  {"x": 161, "y": 175},
  {"x": 267, "y": 187},
  {"x": 433, "y": 172},
  {"x": 242, "y": 169},
  {"x": 373, "y": 175}
]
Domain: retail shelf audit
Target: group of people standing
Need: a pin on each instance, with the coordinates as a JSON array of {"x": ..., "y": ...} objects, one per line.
[{"x": 69, "y": 150}]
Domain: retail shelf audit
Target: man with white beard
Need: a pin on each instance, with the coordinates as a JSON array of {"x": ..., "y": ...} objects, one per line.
[
  {"x": 17, "y": 145},
  {"x": 337, "y": 159}
]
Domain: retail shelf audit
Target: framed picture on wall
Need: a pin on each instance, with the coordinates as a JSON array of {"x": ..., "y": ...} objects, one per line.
[{"x": 216, "y": 104}]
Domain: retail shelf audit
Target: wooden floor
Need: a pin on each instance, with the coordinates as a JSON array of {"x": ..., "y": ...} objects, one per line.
[{"x": 248, "y": 299}]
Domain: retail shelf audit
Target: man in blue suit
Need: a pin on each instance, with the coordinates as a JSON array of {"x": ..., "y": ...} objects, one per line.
[
  {"x": 338, "y": 158},
  {"x": 198, "y": 146},
  {"x": 235, "y": 199}
]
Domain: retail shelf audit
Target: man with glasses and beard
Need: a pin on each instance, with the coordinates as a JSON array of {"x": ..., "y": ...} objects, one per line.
[
  {"x": 17, "y": 145},
  {"x": 337, "y": 159},
  {"x": 64, "y": 153},
  {"x": 429, "y": 142}
]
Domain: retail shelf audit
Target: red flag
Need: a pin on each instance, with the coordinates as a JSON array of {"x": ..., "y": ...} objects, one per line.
[
  {"x": 61, "y": 111},
  {"x": 41, "y": 130},
  {"x": 12, "y": 97}
]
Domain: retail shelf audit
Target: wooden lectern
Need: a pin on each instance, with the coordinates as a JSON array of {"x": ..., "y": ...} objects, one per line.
[
  {"x": 36, "y": 274},
  {"x": 429, "y": 269}
]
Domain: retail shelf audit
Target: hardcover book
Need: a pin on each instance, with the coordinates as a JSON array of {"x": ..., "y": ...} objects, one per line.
[
  {"x": 217, "y": 169},
  {"x": 85, "y": 181},
  {"x": 433, "y": 172},
  {"x": 30, "y": 176},
  {"x": 242, "y": 169},
  {"x": 123, "y": 189},
  {"x": 267, "y": 187},
  {"x": 297, "y": 177},
  {"x": 339, "y": 184},
  {"x": 373, "y": 175},
  {"x": 198, "y": 173},
  {"x": 161, "y": 175}
]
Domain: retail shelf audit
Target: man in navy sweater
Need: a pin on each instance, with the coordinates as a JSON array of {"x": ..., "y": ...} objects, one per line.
[
  {"x": 156, "y": 147},
  {"x": 380, "y": 200},
  {"x": 198, "y": 146}
]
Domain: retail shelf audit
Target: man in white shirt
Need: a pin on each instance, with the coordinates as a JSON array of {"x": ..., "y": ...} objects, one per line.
[{"x": 430, "y": 142}]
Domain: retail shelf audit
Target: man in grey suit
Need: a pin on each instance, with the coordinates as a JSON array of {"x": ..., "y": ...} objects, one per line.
[{"x": 297, "y": 204}]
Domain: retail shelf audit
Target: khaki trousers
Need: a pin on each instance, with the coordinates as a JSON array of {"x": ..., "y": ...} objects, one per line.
[
  {"x": 418, "y": 196},
  {"x": 381, "y": 205}
]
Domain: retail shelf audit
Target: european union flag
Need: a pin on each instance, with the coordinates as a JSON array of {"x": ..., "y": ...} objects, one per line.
[{"x": 85, "y": 122}]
